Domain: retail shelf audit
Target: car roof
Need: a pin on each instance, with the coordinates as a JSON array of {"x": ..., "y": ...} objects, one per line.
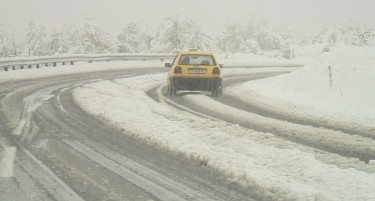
[{"x": 196, "y": 52}]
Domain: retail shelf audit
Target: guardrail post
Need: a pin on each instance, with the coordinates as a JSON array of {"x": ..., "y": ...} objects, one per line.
[
  {"x": 71, "y": 63},
  {"x": 30, "y": 66},
  {"x": 63, "y": 63},
  {"x": 54, "y": 64},
  {"x": 21, "y": 66},
  {"x": 6, "y": 68},
  {"x": 13, "y": 68},
  {"x": 46, "y": 64},
  {"x": 37, "y": 65}
]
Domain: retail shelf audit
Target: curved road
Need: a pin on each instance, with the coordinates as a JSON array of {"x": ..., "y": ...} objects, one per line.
[{"x": 64, "y": 154}]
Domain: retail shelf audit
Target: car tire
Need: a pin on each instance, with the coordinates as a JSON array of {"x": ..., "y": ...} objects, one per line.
[
  {"x": 171, "y": 90},
  {"x": 217, "y": 91}
]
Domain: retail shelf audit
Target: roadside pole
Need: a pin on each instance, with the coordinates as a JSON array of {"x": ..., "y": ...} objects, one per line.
[{"x": 330, "y": 76}]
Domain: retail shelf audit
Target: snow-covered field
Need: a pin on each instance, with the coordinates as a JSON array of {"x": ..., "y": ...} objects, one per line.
[
  {"x": 347, "y": 99},
  {"x": 239, "y": 60},
  {"x": 264, "y": 164}
]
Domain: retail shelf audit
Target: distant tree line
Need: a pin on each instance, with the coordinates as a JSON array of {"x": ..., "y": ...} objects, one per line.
[{"x": 173, "y": 34}]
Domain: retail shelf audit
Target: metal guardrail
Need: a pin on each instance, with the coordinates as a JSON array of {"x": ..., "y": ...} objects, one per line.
[{"x": 37, "y": 62}]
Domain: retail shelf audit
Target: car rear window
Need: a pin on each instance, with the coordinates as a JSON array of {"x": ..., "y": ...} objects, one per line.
[{"x": 194, "y": 59}]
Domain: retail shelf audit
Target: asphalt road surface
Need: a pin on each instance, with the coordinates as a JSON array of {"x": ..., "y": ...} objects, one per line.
[{"x": 65, "y": 154}]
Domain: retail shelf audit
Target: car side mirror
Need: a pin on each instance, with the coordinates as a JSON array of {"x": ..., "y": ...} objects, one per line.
[
  {"x": 221, "y": 65},
  {"x": 168, "y": 65}
]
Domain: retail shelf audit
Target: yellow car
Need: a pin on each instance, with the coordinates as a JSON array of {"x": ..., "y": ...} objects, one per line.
[{"x": 195, "y": 71}]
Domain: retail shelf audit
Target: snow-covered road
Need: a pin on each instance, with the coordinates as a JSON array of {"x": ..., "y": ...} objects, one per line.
[
  {"x": 268, "y": 166},
  {"x": 66, "y": 155},
  {"x": 147, "y": 146}
]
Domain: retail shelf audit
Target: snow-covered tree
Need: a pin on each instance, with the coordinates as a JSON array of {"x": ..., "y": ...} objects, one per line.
[
  {"x": 130, "y": 38},
  {"x": 92, "y": 39},
  {"x": 35, "y": 38},
  {"x": 232, "y": 40},
  {"x": 4, "y": 44},
  {"x": 70, "y": 40},
  {"x": 193, "y": 36},
  {"x": 147, "y": 36},
  {"x": 54, "y": 43},
  {"x": 252, "y": 38},
  {"x": 235, "y": 39},
  {"x": 267, "y": 40},
  {"x": 170, "y": 34},
  {"x": 174, "y": 34}
]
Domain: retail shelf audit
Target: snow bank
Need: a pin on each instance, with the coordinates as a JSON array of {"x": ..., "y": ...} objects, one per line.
[
  {"x": 244, "y": 156},
  {"x": 308, "y": 91},
  {"x": 238, "y": 60},
  {"x": 310, "y": 51}
]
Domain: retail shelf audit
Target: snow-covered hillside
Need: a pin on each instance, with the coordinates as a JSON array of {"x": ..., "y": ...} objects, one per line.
[{"x": 349, "y": 96}]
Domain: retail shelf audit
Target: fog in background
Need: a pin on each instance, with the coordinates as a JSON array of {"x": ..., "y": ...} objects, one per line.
[{"x": 302, "y": 17}]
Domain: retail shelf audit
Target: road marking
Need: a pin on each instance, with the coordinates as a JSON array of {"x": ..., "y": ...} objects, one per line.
[
  {"x": 48, "y": 97},
  {"x": 7, "y": 159},
  {"x": 31, "y": 103},
  {"x": 48, "y": 180},
  {"x": 62, "y": 90},
  {"x": 133, "y": 177},
  {"x": 18, "y": 130}
]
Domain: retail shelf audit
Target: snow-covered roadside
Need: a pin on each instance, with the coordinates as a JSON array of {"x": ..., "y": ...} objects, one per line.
[
  {"x": 348, "y": 100},
  {"x": 82, "y": 67},
  {"x": 246, "y": 157},
  {"x": 239, "y": 60},
  {"x": 238, "y": 72}
]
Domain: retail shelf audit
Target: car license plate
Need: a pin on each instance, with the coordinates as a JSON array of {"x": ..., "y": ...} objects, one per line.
[{"x": 197, "y": 71}]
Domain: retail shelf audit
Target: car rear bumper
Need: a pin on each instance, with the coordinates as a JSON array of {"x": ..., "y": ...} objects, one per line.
[{"x": 196, "y": 84}]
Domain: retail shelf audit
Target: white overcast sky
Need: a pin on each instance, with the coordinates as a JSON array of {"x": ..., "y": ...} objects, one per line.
[{"x": 303, "y": 17}]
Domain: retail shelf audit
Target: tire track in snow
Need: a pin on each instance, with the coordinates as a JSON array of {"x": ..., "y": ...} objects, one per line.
[{"x": 331, "y": 141}]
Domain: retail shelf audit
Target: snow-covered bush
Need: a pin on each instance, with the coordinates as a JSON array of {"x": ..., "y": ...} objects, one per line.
[
  {"x": 250, "y": 46},
  {"x": 348, "y": 34},
  {"x": 287, "y": 51},
  {"x": 251, "y": 38}
]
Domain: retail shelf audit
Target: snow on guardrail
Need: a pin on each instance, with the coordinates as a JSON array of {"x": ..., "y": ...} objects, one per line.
[{"x": 30, "y": 62}]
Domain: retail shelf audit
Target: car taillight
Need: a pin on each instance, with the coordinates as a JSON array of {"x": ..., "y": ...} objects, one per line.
[
  {"x": 177, "y": 69},
  {"x": 216, "y": 71}
]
